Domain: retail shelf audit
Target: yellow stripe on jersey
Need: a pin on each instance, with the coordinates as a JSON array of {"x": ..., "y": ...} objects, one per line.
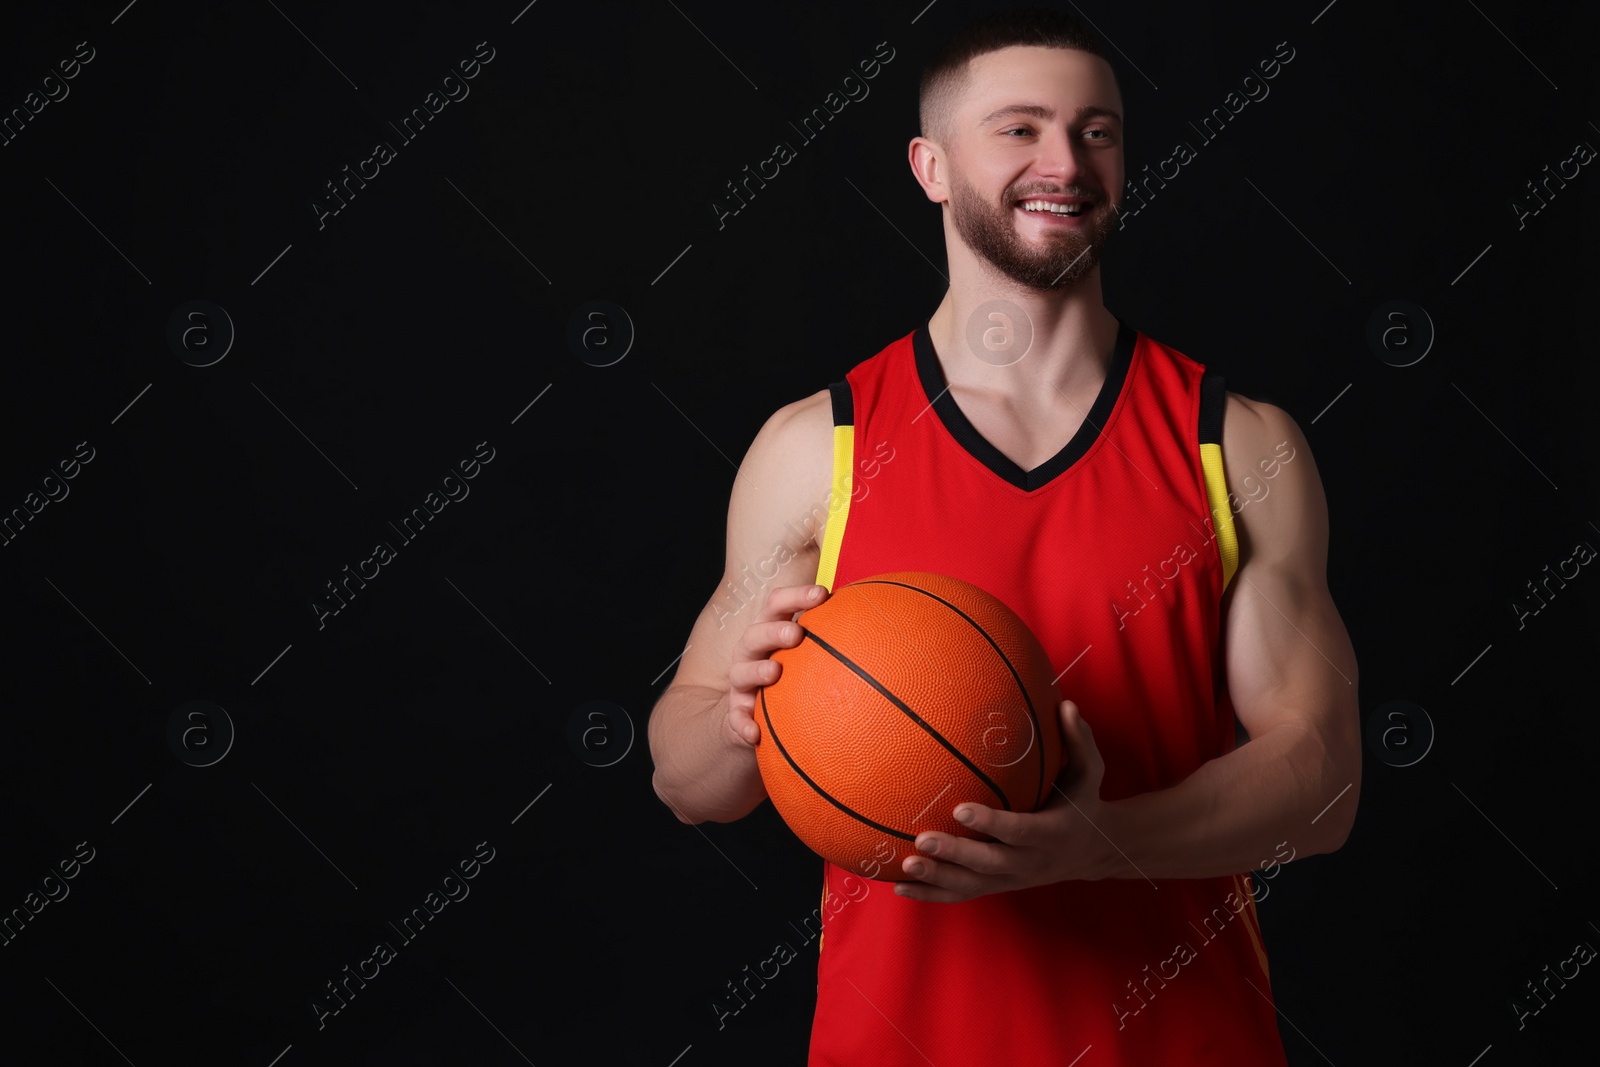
[
  {"x": 1221, "y": 511},
  {"x": 822, "y": 912},
  {"x": 844, "y": 461},
  {"x": 1253, "y": 924}
]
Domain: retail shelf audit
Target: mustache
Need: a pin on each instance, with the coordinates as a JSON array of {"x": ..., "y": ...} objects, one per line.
[{"x": 1078, "y": 191}]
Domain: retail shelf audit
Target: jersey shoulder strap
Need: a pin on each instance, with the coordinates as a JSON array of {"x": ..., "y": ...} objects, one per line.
[
  {"x": 844, "y": 461},
  {"x": 1213, "y": 399}
]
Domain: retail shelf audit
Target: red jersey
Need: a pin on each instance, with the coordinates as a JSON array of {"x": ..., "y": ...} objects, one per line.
[{"x": 1116, "y": 552}]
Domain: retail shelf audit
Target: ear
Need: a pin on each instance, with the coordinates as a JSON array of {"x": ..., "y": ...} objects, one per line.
[{"x": 927, "y": 165}]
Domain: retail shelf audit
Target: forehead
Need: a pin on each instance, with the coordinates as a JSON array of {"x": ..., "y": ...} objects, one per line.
[{"x": 1064, "y": 79}]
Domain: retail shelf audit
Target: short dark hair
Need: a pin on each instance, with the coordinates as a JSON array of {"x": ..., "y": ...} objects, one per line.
[{"x": 945, "y": 74}]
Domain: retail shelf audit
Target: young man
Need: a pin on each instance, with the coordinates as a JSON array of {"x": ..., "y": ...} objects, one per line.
[{"x": 1166, "y": 540}]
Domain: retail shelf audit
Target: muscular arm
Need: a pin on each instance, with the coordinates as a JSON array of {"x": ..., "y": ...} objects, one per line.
[
  {"x": 1291, "y": 672},
  {"x": 704, "y": 770}
]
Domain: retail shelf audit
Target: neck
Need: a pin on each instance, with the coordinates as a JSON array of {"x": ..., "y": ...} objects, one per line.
[{"x": 1072, "y": 337}]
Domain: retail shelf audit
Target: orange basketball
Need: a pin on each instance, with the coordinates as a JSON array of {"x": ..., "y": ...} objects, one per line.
[{"x": 908, "y": 694}]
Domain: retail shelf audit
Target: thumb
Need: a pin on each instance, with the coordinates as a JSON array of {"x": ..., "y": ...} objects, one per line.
[
  {"x": 1071, "y": 739},
  {"x": 1079, "y": 750},
  {"x": 1072, "y": 723}
]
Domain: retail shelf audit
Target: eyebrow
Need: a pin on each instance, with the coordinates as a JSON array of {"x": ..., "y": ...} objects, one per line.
[{"x": 1039, "y": 111}]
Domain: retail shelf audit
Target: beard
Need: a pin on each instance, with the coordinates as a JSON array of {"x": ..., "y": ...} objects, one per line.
[{"x": 1059, "y": 261}]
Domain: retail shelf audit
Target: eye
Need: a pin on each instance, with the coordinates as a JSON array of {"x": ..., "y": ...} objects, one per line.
[
  {"x": 1016, "y": 129},
  {"x": 1104, "y": 133}
]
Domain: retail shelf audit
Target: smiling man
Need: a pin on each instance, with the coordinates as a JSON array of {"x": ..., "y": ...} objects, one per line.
[{"x": 1048, "y": 451}]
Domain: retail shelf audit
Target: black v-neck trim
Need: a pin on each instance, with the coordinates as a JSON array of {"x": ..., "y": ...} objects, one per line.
[{"x": 933, "y": 386}]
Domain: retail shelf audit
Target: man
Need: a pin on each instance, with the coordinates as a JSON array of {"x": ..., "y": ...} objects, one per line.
[{"x": 1165, "y": 539}]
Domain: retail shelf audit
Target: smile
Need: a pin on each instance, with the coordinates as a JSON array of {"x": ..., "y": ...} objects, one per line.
[{"x": 1045, "y": 207}]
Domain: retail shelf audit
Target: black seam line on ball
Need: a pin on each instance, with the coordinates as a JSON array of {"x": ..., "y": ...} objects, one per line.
[
  {"x": 1005, "y": 803},
  {"x": 1026, "y": 699},
  {"x": 821, "y": 792}
]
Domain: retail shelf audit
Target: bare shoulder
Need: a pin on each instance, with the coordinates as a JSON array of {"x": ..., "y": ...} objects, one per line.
[
  {"x": 1276, "y": 494},
  {"x": 773, "y": 537},
  {"x": 789, "y": 466},
  {"x": 1250, "y": 423},
  {"x": 803, "y": 429}
]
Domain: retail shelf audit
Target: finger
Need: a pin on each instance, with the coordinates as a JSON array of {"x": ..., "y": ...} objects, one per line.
[
  {"x": 959, "y": 882},
  {"x": 741, "y": 717},
  {"x": 744, "y": 727},
  {"x": 984, "y": 857},
  {"x": 749, "y": 675},
  {"x": 1007, "y": 826},
  {"x": 784, "y": 601},
  {"x": 1074, "y": 722},
  {"x": 1083, "y": 752},
  {"x": 921, "y": 891},
  {"x": 763, "y": 638}
]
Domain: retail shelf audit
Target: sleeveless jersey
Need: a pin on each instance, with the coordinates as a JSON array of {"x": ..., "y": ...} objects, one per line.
[{"x": 1116, "y": 553}]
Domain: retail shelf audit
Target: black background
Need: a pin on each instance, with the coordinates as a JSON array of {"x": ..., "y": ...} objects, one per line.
[{"x": 376, "y": 351}]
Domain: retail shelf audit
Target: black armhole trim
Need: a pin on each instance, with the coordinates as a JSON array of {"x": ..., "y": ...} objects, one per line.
[
  {"x": 844, "y": 409},
  {"x": 1213, "y": 399}
]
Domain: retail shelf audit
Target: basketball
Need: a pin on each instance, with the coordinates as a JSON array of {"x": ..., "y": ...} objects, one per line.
[{"x": 908, "y": 693}]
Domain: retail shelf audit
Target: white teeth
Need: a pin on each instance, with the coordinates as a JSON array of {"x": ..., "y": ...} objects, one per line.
[{"x": 1054, "y": 209}]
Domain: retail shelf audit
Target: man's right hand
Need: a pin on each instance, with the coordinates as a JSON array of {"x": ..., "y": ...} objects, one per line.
[{"x": 773, "y": 628}]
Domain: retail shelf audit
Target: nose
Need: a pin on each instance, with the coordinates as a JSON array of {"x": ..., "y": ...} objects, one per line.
[{"x": 1059, "y": 159}]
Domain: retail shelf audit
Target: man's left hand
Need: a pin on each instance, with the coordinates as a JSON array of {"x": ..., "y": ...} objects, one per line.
[{"x": 1060, "y": 840}]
